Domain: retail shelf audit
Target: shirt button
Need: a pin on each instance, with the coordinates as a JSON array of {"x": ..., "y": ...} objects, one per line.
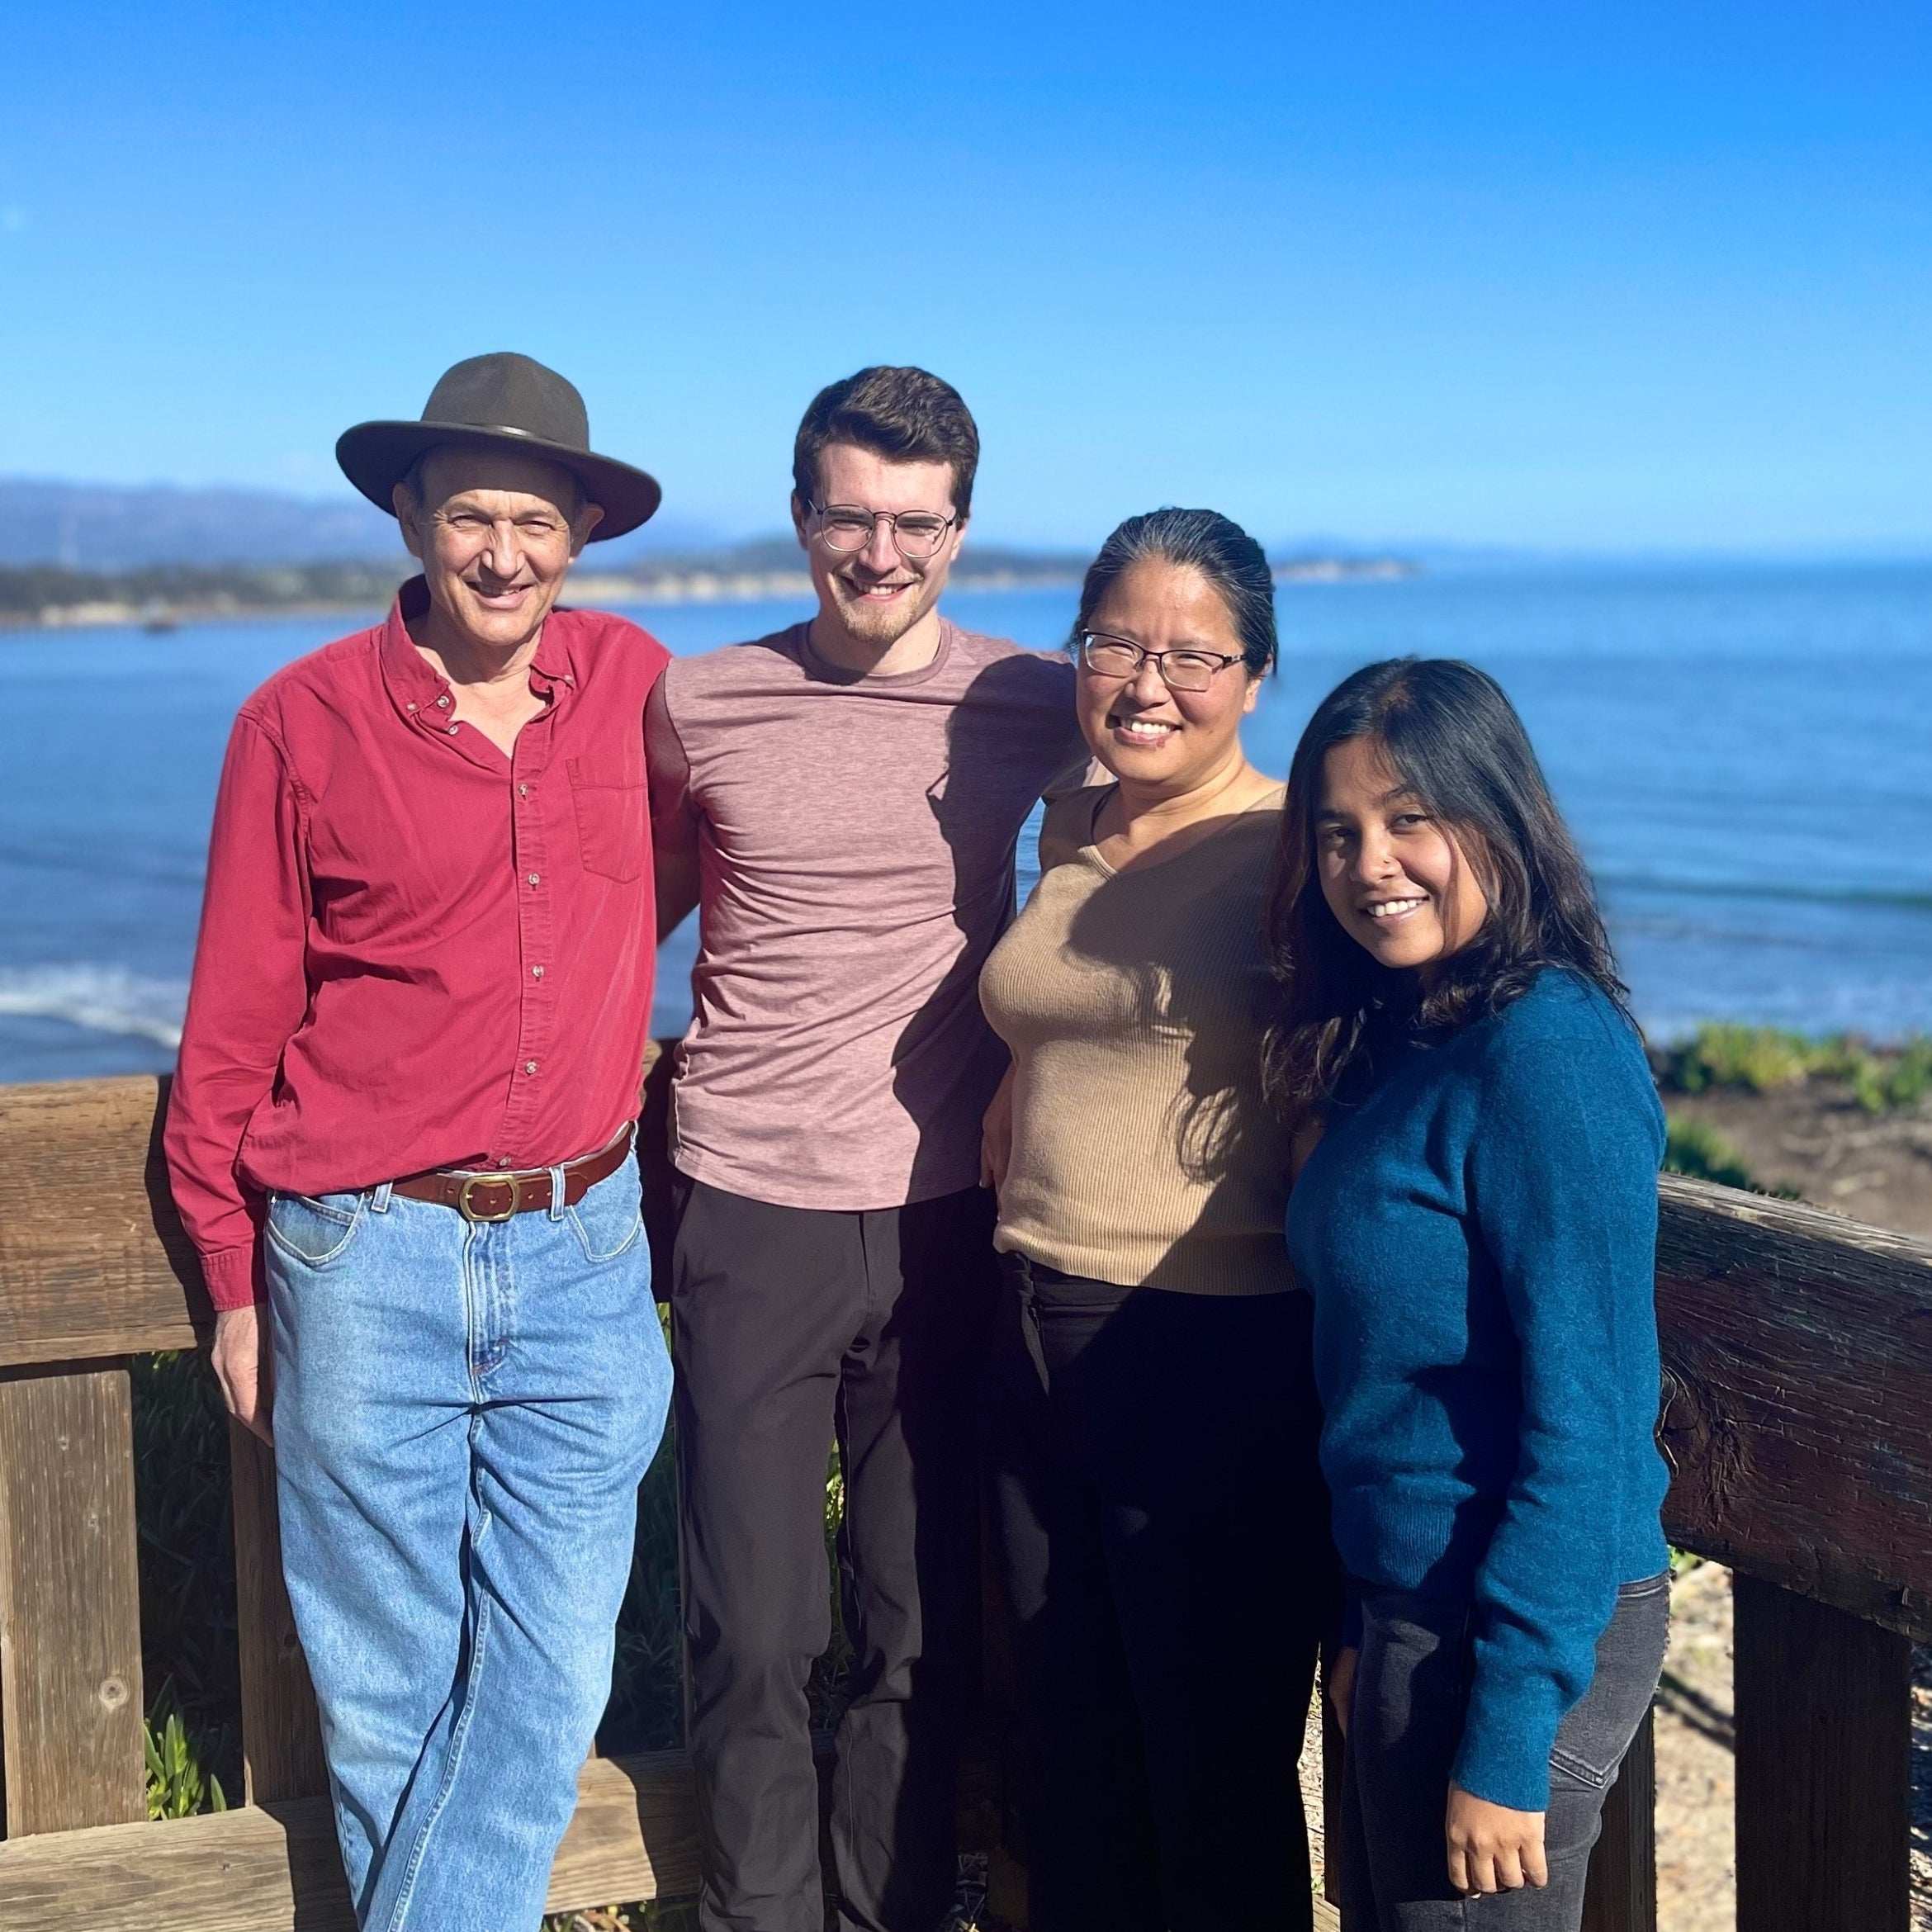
[
  {"x": 503, "y": 1160},
  {"x": 452, "y": 731},
  {"x": 412, "y": 708},
  {"x": 536, "y": 972},
  {"x": 529, "y": 1066},
  {"x": 443, "y": 703},
  {"x": 523, "y": 791},
  {"x": 536, "y": 878}
]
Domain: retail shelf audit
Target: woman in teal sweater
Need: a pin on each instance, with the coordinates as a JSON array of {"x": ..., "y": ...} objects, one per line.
[{"x": 1477, "y": 1223}]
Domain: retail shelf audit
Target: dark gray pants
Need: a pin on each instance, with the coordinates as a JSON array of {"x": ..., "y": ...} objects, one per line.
[
  {"x": 1411, "y": 1689},
  {"x": 788, "y": 1325}
]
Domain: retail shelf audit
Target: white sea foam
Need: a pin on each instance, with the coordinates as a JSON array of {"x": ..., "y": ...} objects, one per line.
[{"x": 105, "y": 999}]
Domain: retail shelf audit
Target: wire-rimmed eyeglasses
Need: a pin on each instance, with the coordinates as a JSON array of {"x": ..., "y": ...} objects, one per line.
[
  {"x": 1109, "y": 657},
  {"x": 847, "y": 527}
]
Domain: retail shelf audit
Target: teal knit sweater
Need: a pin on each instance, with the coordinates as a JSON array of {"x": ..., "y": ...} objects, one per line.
[{"x": 1478, "y": 1228}]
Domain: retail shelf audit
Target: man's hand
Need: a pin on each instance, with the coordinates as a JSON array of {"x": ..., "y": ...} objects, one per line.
[
  {"x": 1341, "y": 1682},
  {"x": 996, "y": 1136},
  {"x": 1491, "y": 1847},
  {"x": 245, "y": 1368}
]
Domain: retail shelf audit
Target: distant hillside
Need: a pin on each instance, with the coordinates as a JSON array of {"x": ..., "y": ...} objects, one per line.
[
  {"x": 162, "y": 595},
  {"x": 102, "y": 527},
  {"x": 99, "y": 527}
]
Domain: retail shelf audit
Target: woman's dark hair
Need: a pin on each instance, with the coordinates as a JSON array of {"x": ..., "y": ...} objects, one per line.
[
  {"x": 1451, "y": 735},
  {"x": 1208, "y": 542},
  {"x": 906, "y": 415}
]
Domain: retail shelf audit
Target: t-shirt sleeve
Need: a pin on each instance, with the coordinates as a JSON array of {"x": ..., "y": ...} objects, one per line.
[
  {"x": 1562, "y": 1176},
  {"x": 674, "y": 814}
]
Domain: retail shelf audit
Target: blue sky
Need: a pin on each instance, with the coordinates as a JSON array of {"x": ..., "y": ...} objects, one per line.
[{"x": 1605, "y": 277}]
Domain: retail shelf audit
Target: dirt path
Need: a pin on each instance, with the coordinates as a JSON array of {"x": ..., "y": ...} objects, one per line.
[{"x": 1814, "y": 1138}]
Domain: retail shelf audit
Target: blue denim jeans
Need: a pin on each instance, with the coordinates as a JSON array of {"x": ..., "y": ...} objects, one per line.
[{"x": 462, "y": 1413}]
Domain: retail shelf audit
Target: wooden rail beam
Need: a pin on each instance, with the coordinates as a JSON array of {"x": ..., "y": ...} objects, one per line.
[
  {"x": 93, "y": 1261},
  {"x": 274, "y": 1868},
  {"x": 1798, "y": 1359}
]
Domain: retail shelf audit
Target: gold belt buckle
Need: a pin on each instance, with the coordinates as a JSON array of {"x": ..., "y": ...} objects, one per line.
[{"x": 469, "y": 1212}]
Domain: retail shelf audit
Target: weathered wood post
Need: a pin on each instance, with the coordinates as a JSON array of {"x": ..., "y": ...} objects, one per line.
[
  {"x": 1623, "y": 1890},
  {"x": 70, "y": 1614},
  {"x": 1824, "y": 1766}
]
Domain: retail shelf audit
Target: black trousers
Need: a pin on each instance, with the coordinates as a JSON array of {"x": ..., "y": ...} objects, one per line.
[
  {"x": 1162, "y": 1534},
  {"x": 791, "y": 1325}
]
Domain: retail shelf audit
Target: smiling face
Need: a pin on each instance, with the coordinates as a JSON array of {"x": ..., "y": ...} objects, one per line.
[
  {"x": 875, "y": 596},
  {"x": 1163, "y": 740},
  {"x": 1399, "y": 882},
  {"x": 496, "y": 533}
]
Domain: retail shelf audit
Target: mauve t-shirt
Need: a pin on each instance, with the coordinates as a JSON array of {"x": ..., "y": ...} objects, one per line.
[{"x": 856, "y": 839}]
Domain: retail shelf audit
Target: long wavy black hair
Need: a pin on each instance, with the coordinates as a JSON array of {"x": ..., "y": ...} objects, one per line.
[{"x": 1450, "y": 735}]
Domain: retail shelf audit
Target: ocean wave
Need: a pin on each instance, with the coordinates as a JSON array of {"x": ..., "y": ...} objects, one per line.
[{"x": 104, "y": 999}]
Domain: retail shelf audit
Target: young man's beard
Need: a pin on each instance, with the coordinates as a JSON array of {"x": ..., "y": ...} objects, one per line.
[{"x": 884, "y": 623}]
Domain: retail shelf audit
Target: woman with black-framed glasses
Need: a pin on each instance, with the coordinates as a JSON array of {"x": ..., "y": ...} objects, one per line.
[{"x": 1160, "y": 1521}]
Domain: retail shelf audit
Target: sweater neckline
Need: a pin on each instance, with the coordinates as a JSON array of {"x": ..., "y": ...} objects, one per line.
[{"x": 1090, "y": 849}]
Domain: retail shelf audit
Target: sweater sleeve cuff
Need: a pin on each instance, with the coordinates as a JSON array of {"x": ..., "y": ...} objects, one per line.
[
  {"x": 1508, "y": 1736},
  {"x": 234, "y": 1277}
]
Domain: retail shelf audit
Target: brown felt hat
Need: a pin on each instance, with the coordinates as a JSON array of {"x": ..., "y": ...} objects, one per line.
[{"x": 501, "y": 402}]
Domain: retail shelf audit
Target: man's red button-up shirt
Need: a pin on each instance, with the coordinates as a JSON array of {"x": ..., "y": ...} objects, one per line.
[{"x": 415, "y": 952}]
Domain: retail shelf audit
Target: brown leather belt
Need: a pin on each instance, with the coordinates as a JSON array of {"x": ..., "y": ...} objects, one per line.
[{"x": 496, "y": 1197}]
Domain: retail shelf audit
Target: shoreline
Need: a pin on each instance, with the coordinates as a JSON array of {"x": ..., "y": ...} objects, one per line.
[{"x": 593, "y": 587}]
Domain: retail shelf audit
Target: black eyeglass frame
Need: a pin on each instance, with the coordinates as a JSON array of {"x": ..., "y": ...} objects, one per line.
[
  {"x": 1158, "y": 659},
  {"x": 822, "y": 510}
]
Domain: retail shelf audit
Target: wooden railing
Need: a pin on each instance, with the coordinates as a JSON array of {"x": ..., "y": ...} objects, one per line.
[{"x": 1798, "y": 1415}]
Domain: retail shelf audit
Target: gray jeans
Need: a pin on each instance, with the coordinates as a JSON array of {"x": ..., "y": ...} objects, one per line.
[{"x": 1411, "y": 1689}]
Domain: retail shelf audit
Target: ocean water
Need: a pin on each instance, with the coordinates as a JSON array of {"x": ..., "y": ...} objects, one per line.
[{"x": 1745, "y": 753}]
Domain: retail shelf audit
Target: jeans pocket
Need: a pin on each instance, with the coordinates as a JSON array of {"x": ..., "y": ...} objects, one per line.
[
  {"x": 614, "y": 825},
  {"x": 1597, "y": 1730},
  {"x": 610, "y": 1217},
  {"x": 314, "y": 1229}
]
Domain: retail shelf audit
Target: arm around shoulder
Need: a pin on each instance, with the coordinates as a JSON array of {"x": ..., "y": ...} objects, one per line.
[{"x": 674, "y": 814}]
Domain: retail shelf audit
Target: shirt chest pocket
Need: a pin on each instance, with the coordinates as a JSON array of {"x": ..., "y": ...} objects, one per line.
[{"x": 613, "y": 820}]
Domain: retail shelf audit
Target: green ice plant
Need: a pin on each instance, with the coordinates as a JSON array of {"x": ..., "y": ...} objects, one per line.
[
  {"x": 1759, "y": 1060},
  {"x": 177, "y": 1785}
]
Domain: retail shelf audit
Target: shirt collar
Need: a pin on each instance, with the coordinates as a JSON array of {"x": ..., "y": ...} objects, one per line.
[{"x": 418, "y": 689}]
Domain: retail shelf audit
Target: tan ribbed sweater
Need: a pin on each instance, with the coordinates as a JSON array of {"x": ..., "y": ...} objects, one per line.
[{"x": 1143, "y": 1153}]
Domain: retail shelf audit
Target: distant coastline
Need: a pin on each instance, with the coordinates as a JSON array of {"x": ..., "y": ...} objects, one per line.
[{"x": 163, "y": 596}]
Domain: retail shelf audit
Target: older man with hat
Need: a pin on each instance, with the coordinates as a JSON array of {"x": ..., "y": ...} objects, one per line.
[{"x": 400, "y": 1139}]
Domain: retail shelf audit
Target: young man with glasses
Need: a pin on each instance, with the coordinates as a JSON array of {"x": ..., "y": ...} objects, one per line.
[{"x": 842, "y": 800}]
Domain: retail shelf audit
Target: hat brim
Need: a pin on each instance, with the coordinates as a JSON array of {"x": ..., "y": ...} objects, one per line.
[{"x": 375, "y": 456}]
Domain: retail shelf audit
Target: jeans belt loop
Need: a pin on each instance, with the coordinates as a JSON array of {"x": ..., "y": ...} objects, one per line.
[
  {"x": 379, "y": 1200},
  {"x": 556, "y": 1194}
]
